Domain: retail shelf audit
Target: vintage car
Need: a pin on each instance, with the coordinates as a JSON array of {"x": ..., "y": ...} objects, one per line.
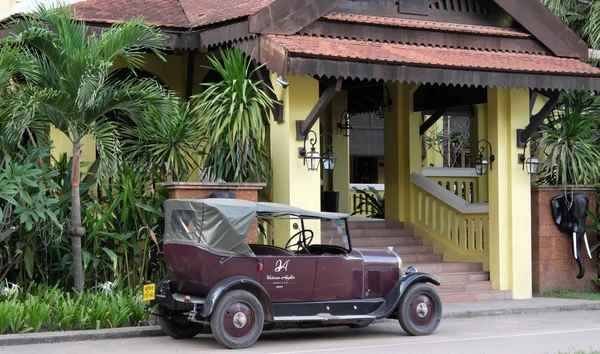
[{"x": 217, "y": 281}]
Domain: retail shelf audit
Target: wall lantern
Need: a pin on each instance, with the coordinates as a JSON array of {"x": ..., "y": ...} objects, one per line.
[
  {"x": 312, "y": 158},
  {"x": 532, "y": 163},
  {"x": 481, "y": 164},
  {"x": 344, "y": 124},
  {"x": 383, "y": 105}
]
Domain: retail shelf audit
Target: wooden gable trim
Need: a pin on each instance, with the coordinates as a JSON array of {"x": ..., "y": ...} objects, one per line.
[
  {"x": 536, "y": 120},
  {"x": 539, "y": 21},
  {"x": 326, "y": 67},
  {"x": 359, "y": 31},
  {"x": 289, "y": 16}
]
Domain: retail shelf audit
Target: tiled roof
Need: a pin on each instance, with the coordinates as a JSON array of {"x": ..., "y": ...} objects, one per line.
[
  {"x": 432, "y": 56},
  {"x": 428, "y": 25},
  {"x": 168, "y": 13},
  {"x": 165, "y": 13}
]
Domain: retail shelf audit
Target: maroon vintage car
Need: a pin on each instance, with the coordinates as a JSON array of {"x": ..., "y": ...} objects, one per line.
[{"x": 217, "y": 281}]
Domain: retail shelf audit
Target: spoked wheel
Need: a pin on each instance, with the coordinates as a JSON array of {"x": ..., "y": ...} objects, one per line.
[
  {"x": 420, "y": 310},
  {"x": 237, "y": 320},
  {"x": 177, "y": 327}
]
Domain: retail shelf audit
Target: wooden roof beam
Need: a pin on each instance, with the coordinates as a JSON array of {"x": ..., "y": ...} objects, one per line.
[
  {"x": 431, "y": 120},
  {"x": 289, "y": 16},
  {"x": 534, "y": 123},
  {"x": 539, "y": 21},
  {"x": 304, "y": 126}
]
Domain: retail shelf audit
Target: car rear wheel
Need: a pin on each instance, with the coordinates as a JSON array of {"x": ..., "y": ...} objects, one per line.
[
  {"x": 177, "y": 327},
  {"x": 420, "y": 310},
  {"x": 237, "y": 320}
]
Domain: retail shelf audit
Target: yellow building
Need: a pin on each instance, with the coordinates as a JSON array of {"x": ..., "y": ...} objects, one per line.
[{"x": 410, "y": 64}]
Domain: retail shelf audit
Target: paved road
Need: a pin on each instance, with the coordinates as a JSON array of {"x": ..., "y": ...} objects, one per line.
[{"x": 530, "y": 334}]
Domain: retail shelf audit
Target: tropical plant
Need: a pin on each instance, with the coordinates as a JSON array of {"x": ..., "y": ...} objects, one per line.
[
  {"x": 451, "y": 146},
  {"x": 570, "y": 143},
  {"x": 372, "y": 202},
  {"x": 67, "y": 85},
  {"x": 233, "y": 114},
  {"x": 169, "y": 144}
]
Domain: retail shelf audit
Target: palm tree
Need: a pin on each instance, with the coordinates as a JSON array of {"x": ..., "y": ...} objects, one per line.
[
  {"x": 64, "y": 76},
  {"x": 583, "y": 17}
]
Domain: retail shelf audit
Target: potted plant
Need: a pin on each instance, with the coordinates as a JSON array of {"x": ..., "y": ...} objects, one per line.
[
  {"x": 570, "y": 155},
  {"x": 232, "y": 115}
]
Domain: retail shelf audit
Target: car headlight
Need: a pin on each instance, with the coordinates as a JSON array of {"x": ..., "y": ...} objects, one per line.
[{"x": 410, "y": 270}]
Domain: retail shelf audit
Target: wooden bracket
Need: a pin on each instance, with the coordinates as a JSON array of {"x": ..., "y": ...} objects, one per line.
[
  {"x": 554, "y": 98},
  {"x": 304, "y": 126},
  {"x": 431, "y": 120}
]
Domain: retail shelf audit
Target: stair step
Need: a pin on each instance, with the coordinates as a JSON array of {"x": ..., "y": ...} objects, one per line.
[
  {"x": 384, "y": 242},
  {"x": 375, "y": 223},
  {"x": 374, "y": 232},
  {"x": 410, "y": 258},
  {"x": 476, "y": 296},
  {"x": 406, "y": 250},
  {"x": 462, "y": 277},
  {"x": 448, "y": 267},
  {"x": 474, "y": 286}
]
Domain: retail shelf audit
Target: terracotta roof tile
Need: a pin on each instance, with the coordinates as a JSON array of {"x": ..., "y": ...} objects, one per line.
[
  {"x": 428, "y": 25},
  {"x": 206, "y": 12},
  {"x": 432, "y": 56},
  {"x": 168, "y": 13}
]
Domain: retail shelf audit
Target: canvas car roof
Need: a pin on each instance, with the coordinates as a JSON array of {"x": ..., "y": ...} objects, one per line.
[{"x": 223, "y": 224}]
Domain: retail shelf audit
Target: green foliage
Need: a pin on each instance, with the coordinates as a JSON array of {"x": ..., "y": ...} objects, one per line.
[
  {"x": 233, "y": 113},
  {"x": 452, "y": 145},
  {"x": 40, "y": 308},
  {"x": 373, "y": 202},
  {"x": 570, "y": 143},
  {"x": 169, "y": 144},
  {"x": 567, "y": 293}
]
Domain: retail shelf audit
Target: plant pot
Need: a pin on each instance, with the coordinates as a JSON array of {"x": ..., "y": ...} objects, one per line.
[
  {"x": 553, "y": 263},
  {"x": 330, "y": 201},
  {"x": 201, "y": 190}
]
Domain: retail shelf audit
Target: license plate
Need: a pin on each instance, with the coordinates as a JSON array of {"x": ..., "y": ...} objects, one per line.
[{"x": 149, "y": 291}]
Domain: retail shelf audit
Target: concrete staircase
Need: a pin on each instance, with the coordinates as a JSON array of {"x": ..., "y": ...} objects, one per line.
[{"x": 460, "y": 281}]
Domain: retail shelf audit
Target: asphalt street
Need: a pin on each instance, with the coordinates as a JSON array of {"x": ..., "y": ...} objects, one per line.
[{"x": 540, "y": 333}]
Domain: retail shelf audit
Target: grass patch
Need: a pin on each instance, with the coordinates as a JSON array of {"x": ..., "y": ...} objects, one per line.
[{"x": 566, "y": 293}]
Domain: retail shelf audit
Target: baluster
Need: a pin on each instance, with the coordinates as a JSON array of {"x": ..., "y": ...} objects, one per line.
[{"x": 463, "y": 233}]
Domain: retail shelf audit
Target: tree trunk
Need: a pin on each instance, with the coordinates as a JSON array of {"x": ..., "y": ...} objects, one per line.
[{"x": 76, "y": 230}]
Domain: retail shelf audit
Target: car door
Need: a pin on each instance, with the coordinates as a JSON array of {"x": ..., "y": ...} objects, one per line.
[
  {"x": 289, "y": 278},
  {"x": 339, "y": 277}
]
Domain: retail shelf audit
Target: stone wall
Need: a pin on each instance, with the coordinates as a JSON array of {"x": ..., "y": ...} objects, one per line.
[{"x": 553, "y": 263}]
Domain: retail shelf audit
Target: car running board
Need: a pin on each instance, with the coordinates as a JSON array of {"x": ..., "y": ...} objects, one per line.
[{"x": 322, "y": 317}]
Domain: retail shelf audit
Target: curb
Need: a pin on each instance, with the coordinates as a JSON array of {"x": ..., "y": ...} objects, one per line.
[
  {"x": 83, "y": 335},
  {"x": 155, "y": 331},
  {"x": 595, "y": 306}
]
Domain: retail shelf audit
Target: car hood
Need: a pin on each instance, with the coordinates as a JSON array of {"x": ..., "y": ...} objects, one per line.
[{"x": 379, "y": 257}]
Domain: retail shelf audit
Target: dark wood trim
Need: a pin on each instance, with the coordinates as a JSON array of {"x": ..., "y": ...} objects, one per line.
[
  {"x": 225, "y": 34},
  {"x": 332, "y": 88},
  {"x": 189, "y": 79},
  {"x": 433, "y": 97},
  {"x": 275, "y": 56},
  {"x": 534, "y": 123},
  {"x": 263, "y": 75},
  {"x": 360, "y": 31},
  {"x": 289, "y": 16},
  {"x": 540, "y": 22},
  {"x": 431, "y": 120},
  {"x": 323, "y": 67}
]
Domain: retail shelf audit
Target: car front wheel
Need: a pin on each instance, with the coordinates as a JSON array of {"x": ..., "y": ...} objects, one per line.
[
  {"x": 420, "y": 310},
  {"x": 237, "y": 320}
]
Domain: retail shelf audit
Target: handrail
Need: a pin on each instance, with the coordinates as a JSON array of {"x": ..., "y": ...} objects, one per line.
[
  {"x": 456, "y": 228},
  {"x": 448, "y": 172},
  {"x": 447, "y": 197}
]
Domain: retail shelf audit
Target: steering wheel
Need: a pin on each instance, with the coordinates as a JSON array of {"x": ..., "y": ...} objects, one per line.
[{"x": 302, "y": 242}]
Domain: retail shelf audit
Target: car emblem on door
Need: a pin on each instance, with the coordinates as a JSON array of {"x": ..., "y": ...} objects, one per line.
[{"x": 279, "y": 265}]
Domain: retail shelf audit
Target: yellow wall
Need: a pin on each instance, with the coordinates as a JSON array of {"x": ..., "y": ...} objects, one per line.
[
  {"x": 292, "y": 183},
  {"x": 402, "y": 147},
  {"x": 509, "y": 194},
  {"x": 433, "y": 157}
]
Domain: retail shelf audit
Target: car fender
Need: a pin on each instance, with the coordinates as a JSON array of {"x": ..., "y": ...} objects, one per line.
[
  {"x": 392, "y": 299},
  {"x": 237, "y": 283}
]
